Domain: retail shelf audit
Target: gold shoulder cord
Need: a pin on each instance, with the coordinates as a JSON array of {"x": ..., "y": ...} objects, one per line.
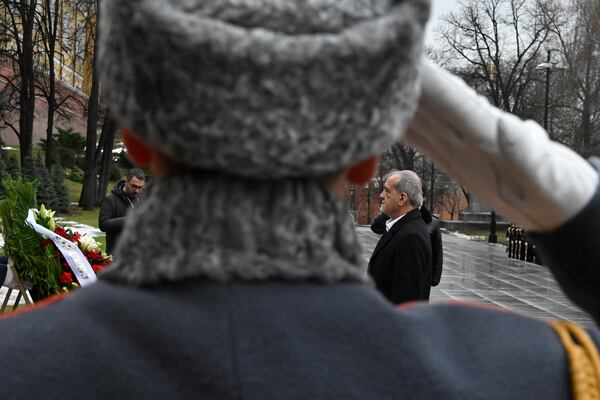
[{"x": 584, "y": 362}]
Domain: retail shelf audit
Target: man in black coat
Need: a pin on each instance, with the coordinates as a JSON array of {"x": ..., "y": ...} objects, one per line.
[
  {"x": 435, "y": 235},
  {"x": 437, "y": 251},
  {"x": 115, "y": 206},
  {"x": 401, "y": 262}
]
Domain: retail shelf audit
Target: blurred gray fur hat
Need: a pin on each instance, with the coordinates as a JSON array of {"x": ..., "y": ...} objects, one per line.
[{"x": 263, "y": 88}]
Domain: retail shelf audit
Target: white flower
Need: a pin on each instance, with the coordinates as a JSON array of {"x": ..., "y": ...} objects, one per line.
[
  {"x": 45, "y": 213},
  {"x": 87, "y": 243},
  {"x": 52, "y": 224},
  {"x": 47, "y": 217}
]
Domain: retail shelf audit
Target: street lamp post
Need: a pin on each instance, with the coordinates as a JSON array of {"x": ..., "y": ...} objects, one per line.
[
  {"x": 492, "y": 238},
  {"x": 372, "y": 184},
  {"x": 548, "y": 66},
  {"x": 368, "y": 187},
  {"x": 431, "y": 187},
  {"x": 353, "y": 198}
]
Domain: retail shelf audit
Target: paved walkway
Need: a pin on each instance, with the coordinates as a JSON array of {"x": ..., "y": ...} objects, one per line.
[{"x": 482, "y": 272}]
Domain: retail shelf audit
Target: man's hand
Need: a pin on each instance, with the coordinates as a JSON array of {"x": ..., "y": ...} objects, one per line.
[{"x": 510, "y": 164}]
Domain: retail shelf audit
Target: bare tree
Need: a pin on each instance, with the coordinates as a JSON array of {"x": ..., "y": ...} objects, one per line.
[
  {"x": 87, "y": 199},
  {"x": 105, "y": 146},
  {"x": 450, "y": 198},
  {"x": 498, "y": 43},
  {"x": 403, "y": 157},
  {"x": 578, "y": 36},
  {"x": 51, "y": 18},
  {"x": 19, "y": 25},
  {"x": 48, "y": 23}
]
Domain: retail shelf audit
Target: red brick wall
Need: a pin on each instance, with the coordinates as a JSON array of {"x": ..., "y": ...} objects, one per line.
[
  {"x": 445, "y": 215},
  {"x": 360, "y": 205},
  {"x": 73, "y": 109}
]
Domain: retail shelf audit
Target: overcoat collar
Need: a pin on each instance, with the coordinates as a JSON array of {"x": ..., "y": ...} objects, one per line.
[{"x": 387, "y": 236}]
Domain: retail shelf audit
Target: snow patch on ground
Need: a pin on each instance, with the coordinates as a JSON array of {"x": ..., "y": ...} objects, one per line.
[
  {"x": 474, "y": 238},
  {"x": 463, "y": 236},
  {"x": 75, "y": 226},
  {"x": 81, "y": 228}
]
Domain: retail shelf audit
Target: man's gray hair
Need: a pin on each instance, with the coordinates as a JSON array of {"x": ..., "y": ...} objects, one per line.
[
  {"x": 409, "y": 183},
  {"x": 136, "y": 172}
]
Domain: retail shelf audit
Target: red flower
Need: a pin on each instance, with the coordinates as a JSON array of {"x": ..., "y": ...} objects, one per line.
[
  {"x": 93, "y": 256},
  {"x": 65, "y": 278},
  {"x": 97, "y": 267},
  {"x": 66, "y": 233}
]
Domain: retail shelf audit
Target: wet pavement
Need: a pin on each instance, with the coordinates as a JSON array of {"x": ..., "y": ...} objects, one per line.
[{"x": 482, "y": 272}]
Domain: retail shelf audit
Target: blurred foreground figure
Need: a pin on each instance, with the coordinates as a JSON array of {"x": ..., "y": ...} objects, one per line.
[{"x": 240, "y": 275}]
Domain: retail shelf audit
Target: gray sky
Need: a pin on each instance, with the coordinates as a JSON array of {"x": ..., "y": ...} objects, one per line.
[{"x": 438, "y": 8}]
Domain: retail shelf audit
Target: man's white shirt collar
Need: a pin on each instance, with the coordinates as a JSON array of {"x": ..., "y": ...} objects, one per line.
[{"x": 390, "y": 222}]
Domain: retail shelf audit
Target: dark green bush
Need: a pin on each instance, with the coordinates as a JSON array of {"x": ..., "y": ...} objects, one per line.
[
  {"x": 74, "y": 174},
  {"x": 62, "y": 194},
  {"x": 22, "y": 244},
  {"x": 45, "y": 193}
]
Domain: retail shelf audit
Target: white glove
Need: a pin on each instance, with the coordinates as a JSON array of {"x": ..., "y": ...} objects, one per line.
[{"x": 510, "y": 164}]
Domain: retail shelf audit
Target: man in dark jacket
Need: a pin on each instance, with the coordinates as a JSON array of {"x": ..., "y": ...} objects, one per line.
[
  {"x": 401, "y": 262},
  {"x": 437, "y": 250},
  {"x": 435, "y": 234},
  {"x": 114, "y": 207}
]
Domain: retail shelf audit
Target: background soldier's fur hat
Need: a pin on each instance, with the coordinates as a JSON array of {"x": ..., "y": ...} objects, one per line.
[{"x": 263, "y": 88}]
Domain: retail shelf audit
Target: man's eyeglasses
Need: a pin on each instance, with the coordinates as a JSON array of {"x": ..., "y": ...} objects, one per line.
[{"x": 135, "y": 187}]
